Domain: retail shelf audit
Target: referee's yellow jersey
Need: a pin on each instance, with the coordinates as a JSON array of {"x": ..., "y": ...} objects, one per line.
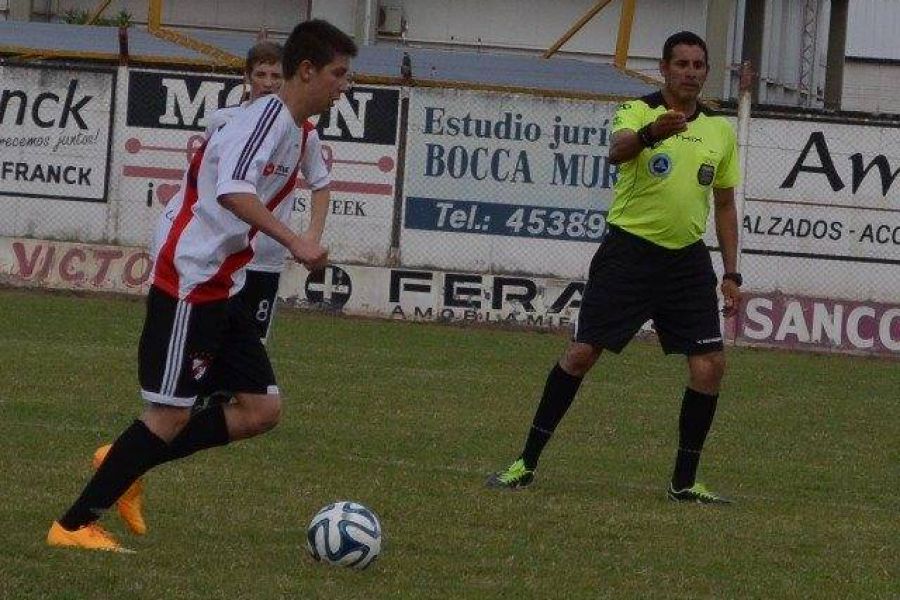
[{"x": 662, "y": 195}]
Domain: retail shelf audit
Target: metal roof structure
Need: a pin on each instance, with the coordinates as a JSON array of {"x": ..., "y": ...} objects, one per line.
[
  {"x": 467, "y": 66},
  {"x": 487, "y": 69},
  {"x": 60, "y": 39}
]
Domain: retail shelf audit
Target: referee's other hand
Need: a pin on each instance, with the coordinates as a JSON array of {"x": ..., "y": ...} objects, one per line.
[{"x": 731, "y": 294}]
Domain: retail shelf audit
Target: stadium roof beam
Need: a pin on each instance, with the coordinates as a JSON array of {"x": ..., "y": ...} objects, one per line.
[
  {"x": 576, "y": 27},
  {"x": 98, "y": 10},
  {"x": 623, "y": 41},
  {"x": 154, "y": 14},
  {"x": 154, "y": 26}
]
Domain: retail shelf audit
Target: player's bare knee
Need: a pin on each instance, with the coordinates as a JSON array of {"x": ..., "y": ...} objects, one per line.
[
  {"x": 165, "y": 421},
  {"x": 267, "y": 413}
]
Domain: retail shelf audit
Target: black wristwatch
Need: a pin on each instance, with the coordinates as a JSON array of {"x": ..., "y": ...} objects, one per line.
[
  {"x": 737, "y": 278},
  {"x": 645, "y": 137}
]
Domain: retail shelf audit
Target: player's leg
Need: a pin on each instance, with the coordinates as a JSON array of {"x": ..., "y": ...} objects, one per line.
[
  {"x": 259, "y": 296},
  {"x": 130, "y": 504},
  {"x": 177, "y": 343},
  {"x": 244, "y": 370},
  {"x": 688, "y": 323},
  {"x": 614, "y": 306}
]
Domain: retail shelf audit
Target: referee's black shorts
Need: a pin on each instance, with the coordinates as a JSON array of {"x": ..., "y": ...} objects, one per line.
[{"x": 632, "y": 280}]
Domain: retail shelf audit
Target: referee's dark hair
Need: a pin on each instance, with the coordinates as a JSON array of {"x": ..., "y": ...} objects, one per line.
[
  {"x": 317, "y": 41},
  {"x": 688, "y": 38}
]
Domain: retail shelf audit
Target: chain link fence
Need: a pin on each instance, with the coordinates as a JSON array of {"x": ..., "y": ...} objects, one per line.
[
  {"x": 438, "y": 179},
  {"x": 821, "y": 233}
]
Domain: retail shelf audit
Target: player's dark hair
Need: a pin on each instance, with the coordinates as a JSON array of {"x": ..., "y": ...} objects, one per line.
[
  {"x": 264, "y": 52},
  {"x": 687, "y": 38},
  {"x": 318, "y": 42}
]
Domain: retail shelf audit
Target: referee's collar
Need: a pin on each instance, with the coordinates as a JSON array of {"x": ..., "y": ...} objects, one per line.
[{"x": 656, "y": 99}]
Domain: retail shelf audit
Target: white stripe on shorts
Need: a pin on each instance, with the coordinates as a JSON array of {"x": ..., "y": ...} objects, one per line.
[{"x": 175, "y": 353}]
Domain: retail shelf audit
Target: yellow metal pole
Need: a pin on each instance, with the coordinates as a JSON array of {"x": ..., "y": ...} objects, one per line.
[
  {"x": 154, "y": 15},
  {"x": 98, "y": 10},
  {"x": 626, "y": 20},
  {"x": 574, "y": 29}
]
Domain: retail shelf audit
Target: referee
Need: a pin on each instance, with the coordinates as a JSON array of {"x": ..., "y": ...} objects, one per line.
[{"x": 653, "y": 263}]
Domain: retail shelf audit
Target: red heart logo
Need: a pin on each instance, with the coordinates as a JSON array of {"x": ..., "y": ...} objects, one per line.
[{"x": 165, "y": 191}]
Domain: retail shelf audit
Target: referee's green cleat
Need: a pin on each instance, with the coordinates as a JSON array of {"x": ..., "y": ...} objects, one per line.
[
  {"x": 696, "y": 493},
  {"x": 514, "y": 477}
]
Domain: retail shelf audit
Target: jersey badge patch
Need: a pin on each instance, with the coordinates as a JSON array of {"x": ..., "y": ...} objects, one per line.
[
  {"x": 199, "y": 364},
  {"x": 705, "y": 174},
  {"x": 659, "y": 165}
]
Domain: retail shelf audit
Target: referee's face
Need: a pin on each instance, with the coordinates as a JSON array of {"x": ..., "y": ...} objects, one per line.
[{"x": 685, "y": 73}]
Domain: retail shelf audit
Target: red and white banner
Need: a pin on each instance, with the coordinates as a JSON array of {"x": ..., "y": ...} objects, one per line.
[
  {"x": 797, "y": 322},
  {"x": 61, "y": 265}
]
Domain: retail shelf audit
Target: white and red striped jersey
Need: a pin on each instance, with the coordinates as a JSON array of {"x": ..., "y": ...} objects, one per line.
[
  {"x": 203, "y": 248},
  {"x": 222, "y": 116},
  {"x": 268, "y": 254}
]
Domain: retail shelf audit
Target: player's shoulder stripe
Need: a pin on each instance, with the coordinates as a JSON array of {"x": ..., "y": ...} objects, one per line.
[{"x": 263, "y": 126}]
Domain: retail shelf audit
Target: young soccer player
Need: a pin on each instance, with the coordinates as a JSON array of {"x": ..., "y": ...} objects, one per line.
[
  {"x": 262, "y": 76},
  {"x": 262, "y": 73},
  {"x": 235, "y": 182}
]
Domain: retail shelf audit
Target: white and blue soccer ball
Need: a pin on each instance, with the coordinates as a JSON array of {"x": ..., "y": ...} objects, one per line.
[{"x": 346, "y": 534}]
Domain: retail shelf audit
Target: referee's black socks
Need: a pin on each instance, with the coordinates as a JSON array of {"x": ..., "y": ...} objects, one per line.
[
  {"x": 134, "y": 452},
  {"x": 559, "y": 392},
  {"x": 697, "y": 412}
]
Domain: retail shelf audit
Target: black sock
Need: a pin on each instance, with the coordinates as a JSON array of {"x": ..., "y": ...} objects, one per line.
[
  {"x": 135, "y": 452},
  {"x": 559, "y": 392},
  {"x": 206, "y": 429},
  {"x": 697, "y": 412}
]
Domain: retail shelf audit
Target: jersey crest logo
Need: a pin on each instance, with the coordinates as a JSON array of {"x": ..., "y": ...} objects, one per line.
[
  {"x": 199, "y": 365},
  {"x": 705, "y": 174},
  {"x": 659, "y": 165}
]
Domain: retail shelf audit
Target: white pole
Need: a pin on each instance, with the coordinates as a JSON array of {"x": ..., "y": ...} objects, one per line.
[
  {"x": 745, "y": 100},
  {"x": 367, "y": 26}
]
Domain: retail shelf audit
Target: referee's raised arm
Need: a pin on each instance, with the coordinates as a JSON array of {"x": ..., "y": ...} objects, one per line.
[{"x": 626, "y": 144}]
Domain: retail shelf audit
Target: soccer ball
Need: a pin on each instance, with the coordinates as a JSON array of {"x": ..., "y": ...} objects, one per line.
[{"x": 344, "y": 533}]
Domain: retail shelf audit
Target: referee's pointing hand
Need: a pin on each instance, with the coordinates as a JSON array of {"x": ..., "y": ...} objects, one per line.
[{"x": 668, "y": 124}]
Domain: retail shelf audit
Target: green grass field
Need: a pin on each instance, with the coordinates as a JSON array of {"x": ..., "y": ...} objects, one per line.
[{"x": 408, "y": 419}]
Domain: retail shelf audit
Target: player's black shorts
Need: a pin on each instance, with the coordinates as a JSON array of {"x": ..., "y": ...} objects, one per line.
[
  {"x": 183, "y": 346},
  {"x": 259, "y": 294},
  {"x": 632, "y": 280}
]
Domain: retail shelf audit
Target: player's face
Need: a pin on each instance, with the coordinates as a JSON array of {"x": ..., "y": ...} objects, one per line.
[
  {"x": 685, "y": 73},
  {"x": 264, "y": 78},
  {"x": 330, "y": 81}
]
